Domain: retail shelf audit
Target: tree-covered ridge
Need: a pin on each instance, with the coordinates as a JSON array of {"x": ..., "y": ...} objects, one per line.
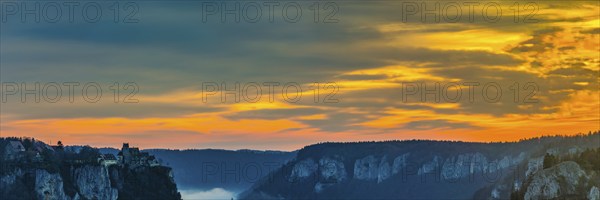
[{"x": 413, "y": 168}]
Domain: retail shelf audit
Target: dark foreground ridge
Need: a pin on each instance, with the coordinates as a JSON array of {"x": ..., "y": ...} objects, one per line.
[{"x": 31, "y": 169}]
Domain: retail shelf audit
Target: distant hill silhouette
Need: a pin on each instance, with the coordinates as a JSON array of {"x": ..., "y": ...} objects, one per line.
[{"x": 205, "y": 169}]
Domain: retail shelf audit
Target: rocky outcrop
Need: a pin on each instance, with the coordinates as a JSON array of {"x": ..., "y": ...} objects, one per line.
[
  {"x": 466, "y": 164},
  {"x": 429, "y": 167},
  {"x": 594, "y": 194},
  {"x": 49, "y": 185},
  {"x": 455, "y": 168},
  {"x": 506, "y": 162},
  {"x": 497, "y": 191},
  {"x": 378, "y": 168},
  {"x": 366, "y": 168},
  {"x": 385, "y": 171},
  {"x": 534, "y": 165},
  {"x": 370, "y": 168},
  {"x": 400, "y": 163},
  {"x": 9, "y": 179},
  {"x": 303, "y": 169},
  {"x": 332, "y": 170},
  {"x": 93, "y": 182},
  {"x": 88, "y": 181},
  {"x": 560, "y": 180}
]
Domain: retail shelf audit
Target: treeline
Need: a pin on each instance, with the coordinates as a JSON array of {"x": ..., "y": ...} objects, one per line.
[
  {"x": 533, "y": 139},
  {"x": 39, "y": 155},
  {"x": 589, "y": 159}
]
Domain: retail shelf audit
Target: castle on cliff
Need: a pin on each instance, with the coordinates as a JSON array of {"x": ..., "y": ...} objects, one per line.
[{"x": 132, "y": 157}]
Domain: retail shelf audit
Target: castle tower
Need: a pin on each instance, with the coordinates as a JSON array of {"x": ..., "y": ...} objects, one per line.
[{"x": 126, "y": 153}]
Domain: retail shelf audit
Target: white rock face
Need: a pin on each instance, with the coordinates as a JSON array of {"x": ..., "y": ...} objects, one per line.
[
  {"x": 594, "y": 194},
  {"x": 48, "y": 186},
  {"x": 370, "y": 168},
  {"x": 507, "y": 161},
  {"x": 465, "y": 164},
  {"x": 479, "y": 163},
  {"x": 400, "y": 163},
  {"x": 332, "y": 172},
  {"x": 495, "y": 194},
  {"x": 546, "y": 184},
  {"x": 459, "y": 166},
  {"x": 503, "y": 163},
  {"x": 385, "y": 171},
  {"x": 366, "y": 168},
  {"x": 430, "y": 166},
  {"x": 93, "y": 182},
  {"x": 332, "y": 169},
  {"x": 534, "y": 165},
  {"x": 10, "y": 178},
  {"x": 517, "y": 185},
  {"x": 304, "y": 169}
]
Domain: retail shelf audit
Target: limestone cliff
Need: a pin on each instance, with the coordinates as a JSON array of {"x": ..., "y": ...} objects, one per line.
[
  {"x": 560, "y": 180},
  {"x": 62, "y": 174},
  {"x": 48, "y": 185},
  {"x": 93, "y": 182}
]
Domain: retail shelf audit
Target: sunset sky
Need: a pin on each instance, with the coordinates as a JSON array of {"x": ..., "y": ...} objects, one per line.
[{"x": 369, "y": 54}]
